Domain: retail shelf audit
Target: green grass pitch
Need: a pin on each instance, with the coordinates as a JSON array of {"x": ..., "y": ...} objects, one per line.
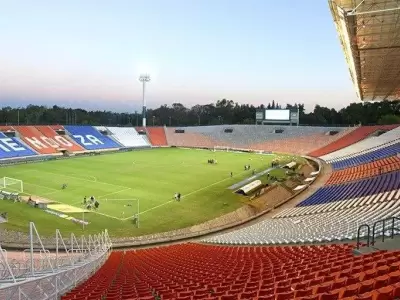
[{"x": 117, "y": 180}]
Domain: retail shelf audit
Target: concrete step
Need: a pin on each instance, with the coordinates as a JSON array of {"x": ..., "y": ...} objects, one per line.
[{"x": 389, "y": 245}]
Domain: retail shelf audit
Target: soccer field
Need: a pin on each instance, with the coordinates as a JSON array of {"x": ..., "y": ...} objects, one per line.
[{"x": 118, "y": 181}]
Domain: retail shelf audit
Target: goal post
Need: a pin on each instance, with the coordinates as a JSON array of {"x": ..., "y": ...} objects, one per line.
[
  {"x": 12, "y": 184},
  {"x": 221, "y": 148}
]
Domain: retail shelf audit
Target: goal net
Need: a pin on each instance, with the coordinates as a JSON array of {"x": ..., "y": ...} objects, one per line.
[
  {"x": 12, "y": 184},
  {"x": 221, "y": 148}
]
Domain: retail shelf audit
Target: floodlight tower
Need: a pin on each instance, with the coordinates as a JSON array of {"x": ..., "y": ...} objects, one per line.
[{"x": 144, "y": 78}]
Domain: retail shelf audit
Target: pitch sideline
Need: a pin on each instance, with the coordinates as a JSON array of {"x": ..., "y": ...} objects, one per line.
[{"x": 191, "y": 193}]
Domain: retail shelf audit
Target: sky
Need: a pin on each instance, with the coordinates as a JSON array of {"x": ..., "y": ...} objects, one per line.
[{"x": 90, "y": 53}]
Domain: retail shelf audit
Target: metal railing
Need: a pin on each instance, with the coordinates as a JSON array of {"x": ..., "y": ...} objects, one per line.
[
  {"x": 379, "y": 228},
  {"x": 39, "y": 274}
]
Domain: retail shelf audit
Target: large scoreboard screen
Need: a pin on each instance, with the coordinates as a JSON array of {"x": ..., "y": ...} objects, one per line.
[{"x": 277, "y": 116}]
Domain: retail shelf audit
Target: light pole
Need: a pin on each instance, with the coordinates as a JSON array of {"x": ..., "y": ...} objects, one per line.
[{"x": 144, "y": 78}]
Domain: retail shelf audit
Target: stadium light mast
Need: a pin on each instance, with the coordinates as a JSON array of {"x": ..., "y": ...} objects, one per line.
[{"x": 144, "y": 78}]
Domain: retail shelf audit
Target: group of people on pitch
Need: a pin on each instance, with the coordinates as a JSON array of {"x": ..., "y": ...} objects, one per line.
[{"x": 91, "y": 203}]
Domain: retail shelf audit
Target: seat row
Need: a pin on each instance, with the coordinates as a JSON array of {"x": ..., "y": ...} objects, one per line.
[
  {"x": 371, "y": 169},
  {"x": 336, "y": 225},
  {"x": 364, "y": 187},
  {"x": 340, "y": 205},
  {"x": 195, "y": 271},
  {"x": 364, "y": 146},
  {"x": 351, "y": 138},
  {"x": 391, "y": 149}
]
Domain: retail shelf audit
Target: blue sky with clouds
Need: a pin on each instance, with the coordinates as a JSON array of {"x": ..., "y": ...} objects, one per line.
[{"x": 89, "y": 53}]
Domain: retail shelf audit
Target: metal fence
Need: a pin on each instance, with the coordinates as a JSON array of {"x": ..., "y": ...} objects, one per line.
[{"x": 38, "y": 273}]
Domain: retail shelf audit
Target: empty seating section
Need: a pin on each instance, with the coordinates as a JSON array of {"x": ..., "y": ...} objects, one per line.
[
  {"x": 193, "y": 271},
  {"x": 13, "y": 147},
  {"x": 189, "y": 139},
  {"x": 32, "y": 137},
  {"x": 89, "y": 138},
  {"x": 350, "y": 138},
  {"x": 58, "y": 141},
  {"x": 367, "y": 157},
  {"x": 297, "y": 145},
  {"x": 157, "y": 136},
  {"x": 370, "y": 200},
  {"x": 289, "y": 139},
  {"x": 367, "y": 145},
  {"x": 374, "y": 168},
  {"x": 334, "y": 225},
  {"x": 128, "y": 137},
  {"x": 382, "y": 183}
]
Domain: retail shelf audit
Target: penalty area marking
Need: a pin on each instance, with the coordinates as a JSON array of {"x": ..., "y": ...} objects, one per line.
[
  {"x": 75, "y": 177},
  {"x": 95, "y": 212},
  {"x": 191, "y": 193},
  {"x": 113, "y": 193},
  {"x": 56, "y": 190}
]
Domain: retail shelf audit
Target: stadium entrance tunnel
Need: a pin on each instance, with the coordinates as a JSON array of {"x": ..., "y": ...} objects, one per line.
[{"x": 249, "y": 188}]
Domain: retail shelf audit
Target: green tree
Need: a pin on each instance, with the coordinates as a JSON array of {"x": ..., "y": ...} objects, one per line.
[{"x": 389, "y": 119}]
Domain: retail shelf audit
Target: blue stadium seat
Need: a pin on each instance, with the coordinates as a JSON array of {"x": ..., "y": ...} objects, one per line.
[
  {"x": 12, "y": 147},
  {"x": 369, "y": 186},
  {"x": 367, "y": 157},
  {"x": 90, "y": 139}
]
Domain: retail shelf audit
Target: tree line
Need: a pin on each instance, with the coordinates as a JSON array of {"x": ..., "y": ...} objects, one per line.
[{"x": 221, "y": 112}]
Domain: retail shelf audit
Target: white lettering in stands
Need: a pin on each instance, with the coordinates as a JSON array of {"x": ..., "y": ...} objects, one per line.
[
  {"x": 92, "y": 140},
  {"x": 50, "y": 142},
  {"x": 63, "y": 141},
  {"x": 35, "y": 142},
  {"x": 8, "y": 145},
  {"x": 44, "y": 142}
]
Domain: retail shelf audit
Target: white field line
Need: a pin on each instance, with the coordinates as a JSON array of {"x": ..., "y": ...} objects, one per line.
[
  {"x": 186, "y": 195},
  {"x": 113, "y": 193},
  {"x": 58, "y": 202},
  {"x": 107, "y": 215},
  {"x": 51, "y": 193},
  {"x": 95, "y": 212},
  {"x": 120, "y": 199},
  {"x": 42, "y": 186},
  {"x": 79, "y": 178}
]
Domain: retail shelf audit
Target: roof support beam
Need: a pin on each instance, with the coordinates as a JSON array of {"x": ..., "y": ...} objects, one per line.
[
  {"x": 379, "y": 48},
  {"x": 354, "y": 13}
]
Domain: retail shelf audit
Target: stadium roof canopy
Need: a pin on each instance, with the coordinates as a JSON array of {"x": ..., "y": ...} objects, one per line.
[{"x": 369, "y": 31}]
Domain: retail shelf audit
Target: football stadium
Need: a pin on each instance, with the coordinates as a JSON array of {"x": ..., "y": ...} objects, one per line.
[{"x": 272, "y": 210}]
